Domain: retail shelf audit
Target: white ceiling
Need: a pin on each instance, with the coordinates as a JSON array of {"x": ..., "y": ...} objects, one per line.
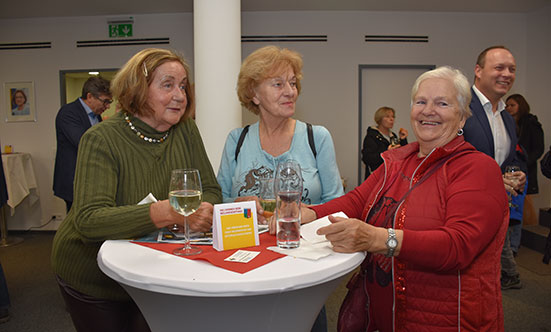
[{"x": 58, "y": 8}]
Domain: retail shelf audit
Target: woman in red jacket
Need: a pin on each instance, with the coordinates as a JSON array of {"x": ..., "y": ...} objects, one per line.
[{"x": 433, "y": 260}]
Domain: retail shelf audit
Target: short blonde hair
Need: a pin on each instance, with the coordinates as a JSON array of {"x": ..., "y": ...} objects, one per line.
[
  {"x": 459, "y": 81},
  {"x": 131, "y": 83},
  {"x": 381, "y": 113},
  {"x": 264, "y": 63}
]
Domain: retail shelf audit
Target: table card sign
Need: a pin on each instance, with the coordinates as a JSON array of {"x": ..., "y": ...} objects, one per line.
[{"x": 234, "y": 226}]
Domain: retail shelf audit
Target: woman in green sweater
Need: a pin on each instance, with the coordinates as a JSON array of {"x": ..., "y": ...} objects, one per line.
[{"x": 120, "y": 161}]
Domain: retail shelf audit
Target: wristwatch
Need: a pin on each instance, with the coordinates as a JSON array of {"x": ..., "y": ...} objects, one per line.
[{"x": 391, "y": 242}]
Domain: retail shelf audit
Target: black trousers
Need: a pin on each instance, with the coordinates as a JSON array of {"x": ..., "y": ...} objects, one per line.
[
  {"x": 90, "y": 314},
  {"x": 68, "y": 204}
]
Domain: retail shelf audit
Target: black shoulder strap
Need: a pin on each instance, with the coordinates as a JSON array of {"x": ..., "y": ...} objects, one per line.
[
  {"x": 311, "y": 139},
  {"x": 240, "y": 141},
  {"x": 246, "y": 130}
]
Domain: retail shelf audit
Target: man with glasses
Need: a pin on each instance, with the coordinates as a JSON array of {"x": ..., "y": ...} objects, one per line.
[{"x": 71, "y": 122}]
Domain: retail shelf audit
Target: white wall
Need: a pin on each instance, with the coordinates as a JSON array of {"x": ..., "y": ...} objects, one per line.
[
  {"x": 43, "y": 65},
  {"x": 330, "y": 85}
]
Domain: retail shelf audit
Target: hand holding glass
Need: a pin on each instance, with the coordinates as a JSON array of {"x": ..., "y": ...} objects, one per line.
[
  {"x": 185, "y": 198},
  {"x": 288, "y": 188},
  {"x": 509, "y": 174}
]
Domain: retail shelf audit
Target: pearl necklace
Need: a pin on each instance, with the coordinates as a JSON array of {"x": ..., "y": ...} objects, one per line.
[{"x": 142, "y": 136}]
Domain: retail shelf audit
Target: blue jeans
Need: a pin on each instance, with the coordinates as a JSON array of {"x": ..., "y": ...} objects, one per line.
[
  {"x": 508, "y": 264},
  {"x": 515, "y": 230}
]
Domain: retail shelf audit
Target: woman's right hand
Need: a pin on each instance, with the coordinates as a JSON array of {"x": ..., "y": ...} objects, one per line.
[{"x": 260, "y": 214}]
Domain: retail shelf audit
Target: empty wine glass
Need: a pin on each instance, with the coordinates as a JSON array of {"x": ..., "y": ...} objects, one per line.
[
  {"x": 509, "y": 174},
  {"x": 185, "y": 198}
]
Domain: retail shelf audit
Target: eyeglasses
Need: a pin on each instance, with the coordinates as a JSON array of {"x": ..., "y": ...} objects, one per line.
[{"x": 105, "y": 102}]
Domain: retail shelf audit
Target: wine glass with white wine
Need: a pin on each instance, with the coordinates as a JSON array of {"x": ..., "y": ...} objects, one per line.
[{"x": 185, "y": 198}]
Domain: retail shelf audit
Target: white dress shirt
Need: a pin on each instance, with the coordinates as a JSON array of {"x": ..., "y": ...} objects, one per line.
[{"x": 502, "y": 141}]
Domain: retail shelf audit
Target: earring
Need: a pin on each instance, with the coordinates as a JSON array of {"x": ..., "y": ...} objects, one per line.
[{"x": 460, "y": 132}]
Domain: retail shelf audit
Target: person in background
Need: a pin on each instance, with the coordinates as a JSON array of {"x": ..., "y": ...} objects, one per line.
[
  {"x": 268, "y": 85},
  {"x": 432, "y": 220},
  {"x": 71, "y": 122},
  {"x": 492, "y": 130},
  {"x": 4, "y": 293},
  {"x": 381, "y": 138},
  {"x": 530, "y": 138},
  {"x": 20, "y": 102},
  {"x": 121, "y": 161},
  {"x": 545, "y": 164},
  {"x": 4, "y": 298}
]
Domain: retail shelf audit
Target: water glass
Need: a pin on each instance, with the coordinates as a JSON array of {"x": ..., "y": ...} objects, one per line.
[{"x": 288, "y": 189}]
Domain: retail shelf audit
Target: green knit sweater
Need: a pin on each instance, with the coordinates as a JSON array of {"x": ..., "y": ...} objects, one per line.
[{"x": 115, "y": 170}]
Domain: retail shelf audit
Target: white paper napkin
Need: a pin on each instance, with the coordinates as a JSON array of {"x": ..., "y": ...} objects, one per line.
[
  {"x": 312, "y": 246},
  {"x": 312, "y": 251},
  {"x": 308, "y": 231},
  {"x": 148, "y": 199}
]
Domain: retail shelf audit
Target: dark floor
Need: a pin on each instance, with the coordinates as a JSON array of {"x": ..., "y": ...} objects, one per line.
[{"x": 37, "y": 305}]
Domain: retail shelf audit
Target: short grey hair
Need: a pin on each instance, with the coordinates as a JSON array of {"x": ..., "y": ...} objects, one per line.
[{"x": 460, "y": 82}]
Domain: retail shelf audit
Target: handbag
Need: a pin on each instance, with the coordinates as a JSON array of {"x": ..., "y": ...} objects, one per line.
[
  {"x": 354, "y": 309},
  {"x": 353, "y": 314}
]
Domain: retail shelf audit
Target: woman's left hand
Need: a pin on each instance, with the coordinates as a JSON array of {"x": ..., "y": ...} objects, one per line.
[
  {"x": 403, "y": 133},
  {"x": 201, "y": 220},
  {"x": 354, "y": 235}
]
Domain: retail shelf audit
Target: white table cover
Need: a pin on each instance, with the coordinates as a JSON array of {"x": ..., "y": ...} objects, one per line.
[
  {"x": 20, "y": 179},
  {"x": 153, "y": 270},
  {"x": 178, "y": 294}
]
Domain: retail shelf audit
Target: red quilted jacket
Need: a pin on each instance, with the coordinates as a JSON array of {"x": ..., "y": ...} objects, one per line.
[{"x": 447, "y": 275}]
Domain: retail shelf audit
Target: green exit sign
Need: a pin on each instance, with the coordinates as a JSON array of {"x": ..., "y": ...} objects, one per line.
[{"x": 120, "y": 30}]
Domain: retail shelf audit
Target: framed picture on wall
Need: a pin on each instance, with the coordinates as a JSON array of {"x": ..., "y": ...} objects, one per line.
[{"x": 20, "y": 104}]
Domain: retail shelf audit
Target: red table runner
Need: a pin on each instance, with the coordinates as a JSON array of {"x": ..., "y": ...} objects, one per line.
[{"x": 215, "y": 257}]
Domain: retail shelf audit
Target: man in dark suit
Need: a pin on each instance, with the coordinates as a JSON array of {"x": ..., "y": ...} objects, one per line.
[
  {"x": 491, "y": 130},
  {"x": 71, "y": 122}
]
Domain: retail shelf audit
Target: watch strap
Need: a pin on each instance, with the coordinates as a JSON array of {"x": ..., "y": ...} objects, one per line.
[{"x": 391, "y": 242}]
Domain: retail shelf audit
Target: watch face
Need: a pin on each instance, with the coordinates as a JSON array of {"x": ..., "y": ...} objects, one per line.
[{"x": 392, "y": 243}]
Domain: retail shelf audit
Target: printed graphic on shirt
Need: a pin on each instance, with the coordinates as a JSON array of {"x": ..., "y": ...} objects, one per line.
[{"x": 251, "y": 185}]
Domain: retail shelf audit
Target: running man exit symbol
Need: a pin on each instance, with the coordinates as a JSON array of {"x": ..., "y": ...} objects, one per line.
[{"x": 120, "y": 30}]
